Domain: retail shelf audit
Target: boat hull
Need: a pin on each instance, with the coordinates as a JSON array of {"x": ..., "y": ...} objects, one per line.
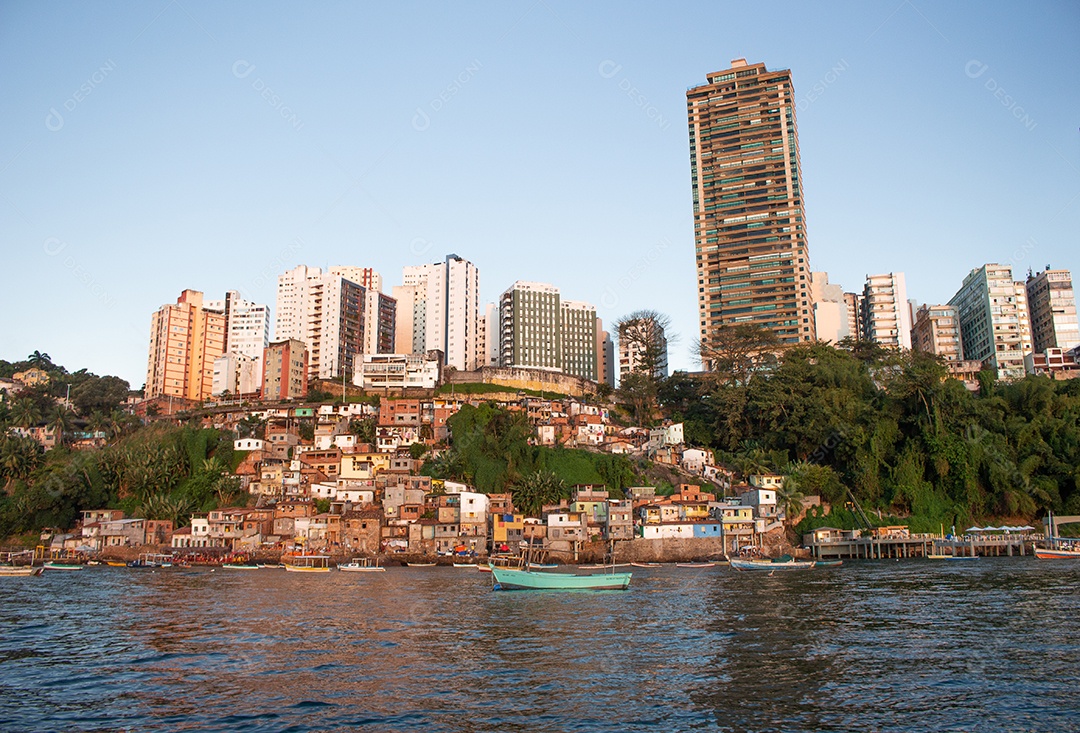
[
  {"x": 770, "y": 566},
  {"x": 361, "y": 568},
  {"x": 511, "y": 579},
  {"x": 61, "y": 566},
  {"x": 1047, "y": 554},
  {"x": 21, "y": 571}
]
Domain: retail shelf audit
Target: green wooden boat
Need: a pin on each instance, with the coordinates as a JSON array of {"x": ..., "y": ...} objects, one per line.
[{"x": 514, "y": 579}]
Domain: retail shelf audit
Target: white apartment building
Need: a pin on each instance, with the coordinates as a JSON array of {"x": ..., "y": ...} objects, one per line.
[
  {"x": 831, "y": 320},
  {"x": 332, "y": 315},
  {"x": 886, "y": 315},
  {"x": 446, "y": 309}
]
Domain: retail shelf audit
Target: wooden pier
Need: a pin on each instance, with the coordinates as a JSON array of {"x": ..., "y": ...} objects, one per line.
[{"x": 881, "y": 548}]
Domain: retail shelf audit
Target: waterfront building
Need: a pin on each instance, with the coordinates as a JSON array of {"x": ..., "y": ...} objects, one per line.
[
  {"x": 753, "y": 263},
  {"x": 185, "y": 340},
  {"x": 636, "y": 337},
  {"x": 445, "y": 299},
  {"x": 831, "y": 321},
  {"x": 885, "y": 313},
  {"x": 1052, "y": 308},
  {"x": 285, "y": 375},
  {"x": 994, "y": 325}
]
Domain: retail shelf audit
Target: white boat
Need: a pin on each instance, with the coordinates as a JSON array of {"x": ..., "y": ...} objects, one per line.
[
  {"x": 695, "y": 565},
  {"x": 20, "y": 570},
  {"x": 420, "y": 564},
  {"x": 54, "y": 565},
  {"x": 771, "y": 566},
  {"x": 1046, "y": 553},
  {"x": 307, "y": 563},
  {"x": 645, "y": 564},
  {"x": 362, "y": 565},
  {"x": 239, "y": 566}
]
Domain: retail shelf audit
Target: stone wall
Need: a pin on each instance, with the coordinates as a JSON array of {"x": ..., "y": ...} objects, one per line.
[{"x": 539, "y": 380}]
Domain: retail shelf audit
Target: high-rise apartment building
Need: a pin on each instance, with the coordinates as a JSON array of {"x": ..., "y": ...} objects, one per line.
[
  {"x": 1052, "y": 307},
  {"x": 577, "y": 334},
  {"x": 937, "y": 331},
  {"x": 285, "y": 376},
  {"x": 487, "y": 337},
  {"x": 853, "y": 306},
  {"x": 994, "y": 323},
  {"x": 334, "y": 316},
  {"x": 446, "y": 308},
  {"x": 638, "y": 337},
  {"x": 605, "y": 355},
  {"x": 247, "y": 332},
  {"x": 886, "y": 314},
  {"x": 530, "y": 333},
  {"x": 830, "y": 309},
  {"x": 753, "y": 264},
  {"x": 185, "y": 339},
  {"x": 539, "y": 330}
]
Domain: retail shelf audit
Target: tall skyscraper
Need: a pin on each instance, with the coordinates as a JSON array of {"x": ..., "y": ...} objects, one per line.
[
  {"x": 185, "y": 339},
  {"x": 886, "y": 314},
  {"x": 1052, "y": 305},
  {"x": 446, "y": 309},
  {"x": 334, "y": 316},
  {"x": 753, "y": 264},
  {"x": 994, "y": 323}
]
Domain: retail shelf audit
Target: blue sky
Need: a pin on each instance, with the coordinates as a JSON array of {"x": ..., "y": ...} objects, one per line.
[{"x": 150, "y": 147}]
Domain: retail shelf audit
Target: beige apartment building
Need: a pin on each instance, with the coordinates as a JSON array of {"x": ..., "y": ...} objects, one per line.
[
  {"x": 185, "y": 339},
  {"x": 1052, "y": 306},
  {"x": 753, "y": 264},
  {"x": 994, "y": 325}
]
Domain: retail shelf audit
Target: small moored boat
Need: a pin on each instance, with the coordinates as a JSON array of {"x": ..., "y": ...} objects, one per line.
[
  {"x": 20, "y": 570},
  {"x": 239, "y": 566},
  {"x": 307, "y": 563},
  {"x": 770, "y": 566},
  {"x": 420, "y": 564},
  {"x": 514, "y": 579},
  {"x": 362, "y": 565},
  {"x": 54, "y": 565},
  {"x": 695, "y": 565}
]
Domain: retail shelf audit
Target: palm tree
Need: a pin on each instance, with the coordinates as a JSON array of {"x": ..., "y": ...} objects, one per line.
[
  {"x": 789, "y": 497},
  {"x": 537, "y": 489},
  {"x": 40, "y": 360},
  {"x": 60, "y": 421},
  {"x": 18, "y": 458},
  {"x": 25, "y": 413}
]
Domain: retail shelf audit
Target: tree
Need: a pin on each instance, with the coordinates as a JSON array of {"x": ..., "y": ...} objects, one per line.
[
  {"x": 19, "y": 457},
  {"x": 60, "y": 421},
  {"x": 735, "y": 352},
  {"x": 40, "y": 360},
  {"x": 645, "y": 335},
  {"x": 638, "y": 391},
  {"x": 363, "y": 428},
  {"x": 537, "y": 489},
  {"x": 25, "y": 412}
]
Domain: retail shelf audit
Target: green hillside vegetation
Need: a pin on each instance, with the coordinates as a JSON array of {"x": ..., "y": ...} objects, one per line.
[
  {"x": 891, "y": 431},
  {"x": 160, "y": 471},
  {"x": 490, "y": 450}
]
